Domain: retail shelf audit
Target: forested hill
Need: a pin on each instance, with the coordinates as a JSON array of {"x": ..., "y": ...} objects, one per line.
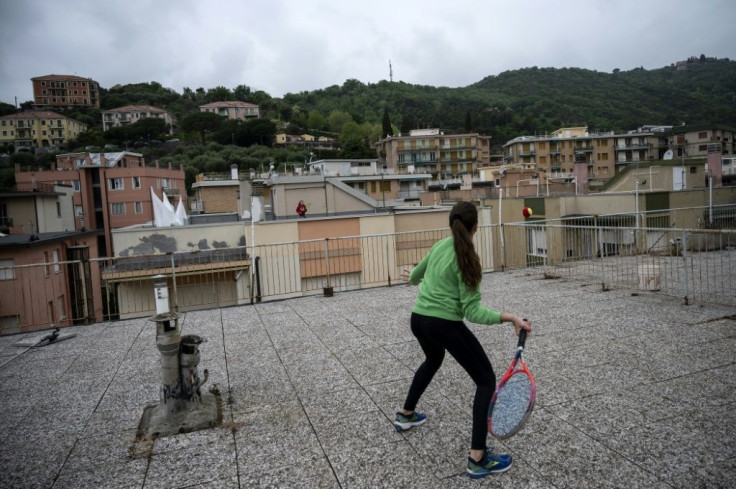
[
  {"x": 534, "y": 100},
  {"x": 519, "y": 102}
]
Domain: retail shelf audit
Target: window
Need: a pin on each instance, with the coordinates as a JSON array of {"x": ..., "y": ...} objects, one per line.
[
  {"x": 164, "y": 183},
  {"x": 78, "y": 211},
  {"x": 385, "y": 186},
  {"x": 136, "y": 182},
  {"x": 58, "y": 209},
  {"x": 76, "y": 185},
  {"x": 46, "y": 261},
  {"x": 537, "y": 242},
  {"x": 57, "y": 267},
  {"x": 139, "y": 207},
  {"x": 60, "y": 307},
  {"x": 117, "y": 209},
  {"x": 115, "y": 183},
  {"x": 6, "y": 270},
  {"x": 693, "y": 170},
  {"x": 702, "y": 135}
]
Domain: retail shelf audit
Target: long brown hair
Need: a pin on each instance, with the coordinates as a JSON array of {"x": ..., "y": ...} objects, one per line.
[{"x": 463, "y": 218}]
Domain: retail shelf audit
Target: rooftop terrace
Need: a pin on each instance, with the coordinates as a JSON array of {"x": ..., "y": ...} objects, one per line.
[{"x": 634, "y": 390}]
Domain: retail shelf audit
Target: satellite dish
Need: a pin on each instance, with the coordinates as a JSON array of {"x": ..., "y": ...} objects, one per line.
[{"x": 668, "y": 155}]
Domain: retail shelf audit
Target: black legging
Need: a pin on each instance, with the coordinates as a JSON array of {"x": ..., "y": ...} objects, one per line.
[{"x": 436, "y": 335}]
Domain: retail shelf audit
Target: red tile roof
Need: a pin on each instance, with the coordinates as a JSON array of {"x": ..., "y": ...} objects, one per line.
[
  {"x": 136, "y": 108},
  {"x": 35, "y": 114},
  {"x": 229, "y": 103},
  {"x": 62, "y": 77}
]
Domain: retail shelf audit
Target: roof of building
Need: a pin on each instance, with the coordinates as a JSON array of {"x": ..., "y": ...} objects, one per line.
[
  {"x": 229, "y": 103},
  {"x": 62, "y": 78},
  {"x": 112, "y": 158},
  {"x": 33, "y": 239},
  {"x": 36, "y": 114},
  {"x": 135, "y": 108}
]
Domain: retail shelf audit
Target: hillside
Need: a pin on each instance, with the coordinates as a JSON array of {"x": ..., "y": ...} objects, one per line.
[
  {"x": 533, "y": 100},
  {"x": 519, "y": 102}
]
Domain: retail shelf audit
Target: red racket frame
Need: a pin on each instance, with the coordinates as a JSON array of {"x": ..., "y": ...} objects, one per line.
[{"x": 518, "y": 360}]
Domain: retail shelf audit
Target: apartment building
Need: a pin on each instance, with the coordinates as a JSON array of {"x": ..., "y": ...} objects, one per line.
[
  {"x": 39, "y": 129},
  {"x": 434, "y": 152},
  {"x": 283, "y": 140},
  {"x": 233, "y": 109},
  {"x": 43, "y": 208},
  {"x": 699, "y": 141},
  {"x": 111, "y": 190},
  {"x": 65, "y": 91},
  {"x": 131, "y": 114},
  {"x": 606, "y": 154},
  {"x": 38, "y": 290}
]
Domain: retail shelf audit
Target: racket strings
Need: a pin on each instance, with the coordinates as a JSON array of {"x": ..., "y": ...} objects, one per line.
[{"x": 512, "y": 402}]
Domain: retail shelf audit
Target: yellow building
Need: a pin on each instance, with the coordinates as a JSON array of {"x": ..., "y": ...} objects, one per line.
[
  {"x": 39, "y": 129},
  {"x": 607, "y": 153},
  {"x": 434, "y": 152}
]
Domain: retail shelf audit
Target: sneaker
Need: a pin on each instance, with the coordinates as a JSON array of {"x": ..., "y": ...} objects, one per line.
[
  {"x": 403, "y": 422},
  {"x": 490, "y": 464}
]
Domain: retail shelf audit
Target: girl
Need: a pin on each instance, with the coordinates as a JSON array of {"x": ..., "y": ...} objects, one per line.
[{"x": 450, "y": 278}]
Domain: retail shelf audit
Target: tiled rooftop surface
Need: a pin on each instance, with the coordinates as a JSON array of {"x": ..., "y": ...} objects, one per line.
[{"x": 634, "y": 390}]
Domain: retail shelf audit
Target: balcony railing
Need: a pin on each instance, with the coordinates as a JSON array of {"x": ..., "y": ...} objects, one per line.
[{"x": 696, "y": 262}]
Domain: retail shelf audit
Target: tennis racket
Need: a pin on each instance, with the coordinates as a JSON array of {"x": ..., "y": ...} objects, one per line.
[{"x": 513, "y": 400}]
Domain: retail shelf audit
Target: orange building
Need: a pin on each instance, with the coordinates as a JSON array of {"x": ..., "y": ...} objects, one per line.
[
  {"x": 111, "y": 190},
  {"x": 65, "y": 91}
]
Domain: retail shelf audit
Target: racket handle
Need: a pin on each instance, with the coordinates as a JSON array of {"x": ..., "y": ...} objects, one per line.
[{"x": 522, "y": 337}]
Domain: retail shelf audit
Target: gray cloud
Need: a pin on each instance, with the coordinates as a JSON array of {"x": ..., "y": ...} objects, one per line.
[{"x": 282, "y": 46}]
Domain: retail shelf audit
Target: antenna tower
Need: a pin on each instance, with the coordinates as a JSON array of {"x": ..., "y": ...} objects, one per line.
[{"x": 390, "y": 72}]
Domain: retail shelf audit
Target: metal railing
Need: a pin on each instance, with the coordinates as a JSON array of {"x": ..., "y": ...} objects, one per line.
[{"x": 684, "y": 253}]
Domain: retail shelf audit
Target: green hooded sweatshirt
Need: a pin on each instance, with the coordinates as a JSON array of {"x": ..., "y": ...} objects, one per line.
[{"x": 442, "y": 292}]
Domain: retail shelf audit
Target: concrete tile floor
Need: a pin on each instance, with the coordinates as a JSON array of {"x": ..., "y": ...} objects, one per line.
[{"x": 633, "y": 391}]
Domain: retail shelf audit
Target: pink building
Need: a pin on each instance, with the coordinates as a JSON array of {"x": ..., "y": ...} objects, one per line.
[
  {"x": 38, "y": 290},
  {"x": 111, "y": 190}
]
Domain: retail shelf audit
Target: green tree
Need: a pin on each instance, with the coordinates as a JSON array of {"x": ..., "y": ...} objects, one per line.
[
  {"x": 242, "y": 93},
  {"x": 386, "y": 129},
  {"x": 201, "y": 123},
  {"x": 337, "y": 120},
  {"x": 219, "y": 94},
  {"x": 468, "y": 122},
  {"x": 316, "y": 120},
  {"x": 6, "y": 109}
]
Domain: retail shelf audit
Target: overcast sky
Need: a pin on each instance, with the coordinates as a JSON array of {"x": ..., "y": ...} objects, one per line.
[{"x": 282, "y": 46}]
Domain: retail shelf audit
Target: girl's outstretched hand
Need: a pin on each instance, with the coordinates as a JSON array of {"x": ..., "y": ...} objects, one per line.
[{"x": 405, "y": 275}]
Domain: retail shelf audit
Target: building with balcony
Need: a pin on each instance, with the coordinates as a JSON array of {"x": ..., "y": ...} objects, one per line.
[
  {"x": 434, "y": 152},
  {"x": 110, "y": 190},
  {"x": 47, "y": 207},
  {"x": 606, "y": 154},
  {"x": 233, "y": 109},
  {"x": 699, "y": 141},
  {"x": 65, "y": 91},
  {"x": 39, "y": 129},
  {"x": 283, "y": 140},
  {"x": 131, "y": 114}
]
